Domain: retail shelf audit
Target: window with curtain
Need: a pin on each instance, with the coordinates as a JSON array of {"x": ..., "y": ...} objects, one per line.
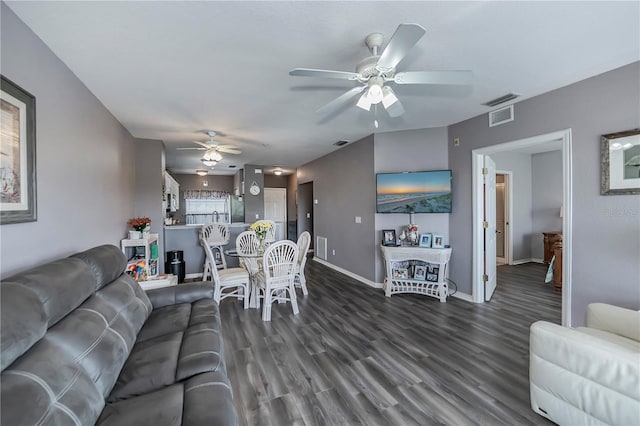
[{"x": 203, "y": 207}]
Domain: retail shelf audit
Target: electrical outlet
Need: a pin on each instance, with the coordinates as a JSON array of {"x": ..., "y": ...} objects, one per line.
[
  {"x": 333, "y": 252},
  {"x": 456, "y": 141}
]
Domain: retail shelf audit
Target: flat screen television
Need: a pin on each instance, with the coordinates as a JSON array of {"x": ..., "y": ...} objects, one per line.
[{"x": 414, "y": 192}]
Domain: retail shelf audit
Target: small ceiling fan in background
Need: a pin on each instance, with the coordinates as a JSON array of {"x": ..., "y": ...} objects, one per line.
[
  {"x": 212, "y": 150},
  {"x": 376, "y": 71}
]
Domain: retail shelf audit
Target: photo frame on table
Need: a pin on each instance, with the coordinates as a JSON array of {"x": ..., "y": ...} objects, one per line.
[
  {"x": 438, "y": 241},
  {"x": 420, "y": 272},
  {"x": 620, "y": 163},
  {"x": 401, "y": 273},
  {"x": 425, "y": 240},
  {"x": 17, "y": 154},
  {"x": 389, "y": 237}
]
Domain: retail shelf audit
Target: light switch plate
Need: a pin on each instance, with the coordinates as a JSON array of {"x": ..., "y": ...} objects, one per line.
[
  {"x": 358, "y": 219},
  {"x": 315, "y": 201},
  {"x": 308, "y": 215}
]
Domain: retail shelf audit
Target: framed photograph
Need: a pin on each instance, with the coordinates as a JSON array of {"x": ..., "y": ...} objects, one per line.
[
  {"x": 620, "y": 163},
  {"x": 420, "y": 272},
  {"x": 401, "y": 273},
  {"x": 389, "y": 237},
  {"x": 432, "y": 277},
  {"x": 425, "y": 240},
  {"x": 438, "y": 241},
  {"x": 17, "y": 154}
]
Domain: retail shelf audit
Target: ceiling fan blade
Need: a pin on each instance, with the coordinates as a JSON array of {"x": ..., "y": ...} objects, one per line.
[
  {"x": 307, "y": 72},
  {"x": 405, "y": 37},
  {"x": 434, "y": 77},
  {"x": 228, "y": 149},
  {"x": 341, "y": 100},
  {"x": 203, "y": 144},
  {"x": 198, "y": 149}
]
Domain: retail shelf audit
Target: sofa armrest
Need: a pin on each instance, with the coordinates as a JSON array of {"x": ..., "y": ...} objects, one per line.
[
  {"x": 576, "y": 377},
  {"x": 182, "y": 293},
  {"x": 613, "y": 319}
]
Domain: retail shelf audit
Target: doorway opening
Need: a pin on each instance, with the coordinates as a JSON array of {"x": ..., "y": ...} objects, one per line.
[
  {"x": 503, "y": 217},
  {"x": 305, "y": 211},
  {"x": 484, "y": 269}
]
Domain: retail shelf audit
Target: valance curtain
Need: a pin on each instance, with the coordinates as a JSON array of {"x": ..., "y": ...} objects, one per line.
[{"x": 204, "y": 194}]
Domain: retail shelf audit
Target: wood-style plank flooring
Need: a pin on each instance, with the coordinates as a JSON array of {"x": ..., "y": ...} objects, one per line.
[{"x": 353, "y": 356}]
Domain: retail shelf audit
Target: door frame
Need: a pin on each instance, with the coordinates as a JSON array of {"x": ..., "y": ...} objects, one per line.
[
  {"x": 477, "y": 206},
  {"x": 508, "y": 203}
]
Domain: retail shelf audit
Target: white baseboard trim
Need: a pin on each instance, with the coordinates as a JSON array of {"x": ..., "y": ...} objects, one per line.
[
  {"x": 191, "y": 276},
  {"x": 348, "y": 273},
  {"x": 529, "y": 260},
  {"x": 463, "y": 296}
]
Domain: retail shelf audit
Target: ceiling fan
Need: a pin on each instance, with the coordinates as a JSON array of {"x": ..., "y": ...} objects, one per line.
[
  {"x": 213, "y": 150},
  {"x": 373, "y": 73}
]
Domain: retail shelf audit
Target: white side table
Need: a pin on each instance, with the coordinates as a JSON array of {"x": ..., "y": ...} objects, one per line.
[{"x": 140, "y": 242}]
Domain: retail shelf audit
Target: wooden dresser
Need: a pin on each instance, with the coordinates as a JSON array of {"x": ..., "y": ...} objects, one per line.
[{"x": 550, "y": 238}]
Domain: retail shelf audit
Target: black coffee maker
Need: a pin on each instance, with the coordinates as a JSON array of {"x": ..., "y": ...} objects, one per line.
[{"x": 175, "y": 264}]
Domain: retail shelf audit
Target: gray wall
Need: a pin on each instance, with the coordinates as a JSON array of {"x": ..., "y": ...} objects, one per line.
[
  {"x": 603, "y": 104},
  {"x": 410, "y": 150},
  {"x": 85, "y": 158},
  {"x": 546, "y": 198},
  {"x": 216, "y": 183},
  {"x": 345, "y": 187},
  {"x": 522, "y": 223},
  {"x": 149, "y": 154},
  {"x": 273, "y": 181},
  {"x": 253, "y": 204}
]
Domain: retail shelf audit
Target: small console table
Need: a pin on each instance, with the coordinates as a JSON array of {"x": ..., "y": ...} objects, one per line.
[{"x": 403, "y": 273}]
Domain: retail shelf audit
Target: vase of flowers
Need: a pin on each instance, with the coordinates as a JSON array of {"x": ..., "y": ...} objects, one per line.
[
  {"x": 412, "y": 234},
  {"x": 261, "y": 228},
  {"x": 140, "y": 225}
]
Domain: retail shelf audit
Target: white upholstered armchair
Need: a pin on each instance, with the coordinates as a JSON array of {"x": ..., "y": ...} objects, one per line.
[{"x": 588, "y": 375}]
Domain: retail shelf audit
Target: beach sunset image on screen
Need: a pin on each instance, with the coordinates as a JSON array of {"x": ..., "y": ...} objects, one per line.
[{"x": 414, "y": 192}]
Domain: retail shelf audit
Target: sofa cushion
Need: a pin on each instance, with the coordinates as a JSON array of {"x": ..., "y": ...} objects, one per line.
[
  {"x": 107, "y": 263},
  {"x": 186, "y": 341},
  {"x": 205, "y": 399}
]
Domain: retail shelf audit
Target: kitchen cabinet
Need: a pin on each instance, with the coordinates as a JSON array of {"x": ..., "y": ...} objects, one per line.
[{"x": 172, "y": 193}]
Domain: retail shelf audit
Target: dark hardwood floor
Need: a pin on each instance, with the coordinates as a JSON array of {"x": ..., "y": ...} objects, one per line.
[{"x": 353, "y": 356}]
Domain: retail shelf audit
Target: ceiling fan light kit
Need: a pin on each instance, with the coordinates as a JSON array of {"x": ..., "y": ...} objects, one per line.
[
  {"x": 380, "y": 68},
  {"x": 212, "y": 150}
]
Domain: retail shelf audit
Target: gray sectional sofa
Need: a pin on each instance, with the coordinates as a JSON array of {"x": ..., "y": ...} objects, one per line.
[{"x": 83, "y": 344}]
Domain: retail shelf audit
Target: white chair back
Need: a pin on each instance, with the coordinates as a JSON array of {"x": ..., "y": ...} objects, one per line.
[
  {"x": 279, "y": 263},
  {"x": 304, "y": 241},
  {"x": 271, "y": 233},
  {"x": 247, "y": 242},
  {"x": 215, "y": 234},
  {"x": 211, "y": 260}
]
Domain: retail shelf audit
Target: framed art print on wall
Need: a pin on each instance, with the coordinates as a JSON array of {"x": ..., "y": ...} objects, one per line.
[
  {"x": 17, "y": 154},
  {"x": 620, "y": 163}
]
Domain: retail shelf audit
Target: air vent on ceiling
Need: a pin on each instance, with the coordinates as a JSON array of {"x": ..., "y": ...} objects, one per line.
[
  {"x": 502, "y": 99},
  {"x": 232, "y": 166},
  {"x": 501, "y": 116},
  {"x": 341, "y": 143}
]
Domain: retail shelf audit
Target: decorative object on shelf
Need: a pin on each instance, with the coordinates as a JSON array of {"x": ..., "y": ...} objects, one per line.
[
  {"x": 412, "y": 234},
  {"x": 401, "y": 273},
  {"x": 420, "y": 272},
  {"x": 389, "y": 237},
  {"x": 425, "y": 240},
  {"x": 620, "y": 163},
  {"x": 17, "y": 163},
  {"x": 140, "y": 224},
  {"x": 438, "y": 241},
  {"x": 261, "y": 228},
  {"x": 432, "y": 272},
  {"x": 135, "y": 235}
]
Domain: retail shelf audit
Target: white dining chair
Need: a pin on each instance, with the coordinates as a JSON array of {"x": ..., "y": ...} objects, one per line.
[
  {"x": 271, "y": 233},
  {"x": 276, "y": 278},
  {"x": 216, "y": 236},
  {"x": 304, "y": 241},
  {"x": 236, "y": 279}
]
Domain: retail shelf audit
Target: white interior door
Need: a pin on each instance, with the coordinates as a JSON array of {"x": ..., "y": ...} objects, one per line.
[
  {"x": 489, "y": 224},
  {"x": 275, "y": 209}
]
